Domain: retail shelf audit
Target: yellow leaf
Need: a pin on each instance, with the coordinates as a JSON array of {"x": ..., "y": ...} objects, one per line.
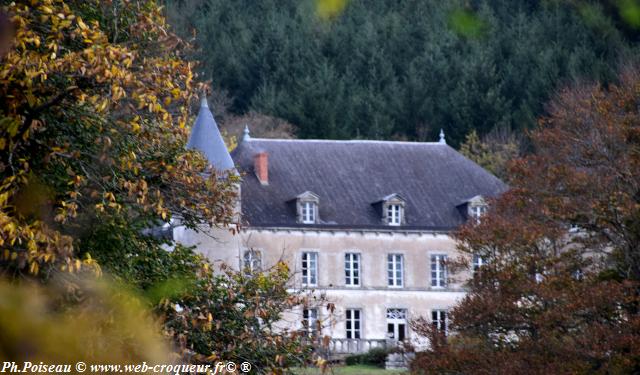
[
  {"x": 34, "y": 268},
  {"x": 31, "y": 99},
  {"x": 81, "y": 24}
]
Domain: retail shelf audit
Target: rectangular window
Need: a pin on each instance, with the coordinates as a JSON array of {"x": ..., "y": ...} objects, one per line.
[
  {"x": 309, "y": 269},
  {"x": 252, "y": 261},
  {"x": 394, "y": 212},
  {"x": 578, "y": 274},
  {"x": 477, "y": 212},
  {"x": 439, "y": 320},
  {"x": 353, "y": 323},
  {"x": 308, "y": 212},
  {"x": 478, "y": 262},
  {"x": 352, "y": 269},
  {"x": 438, "y": 271},
  {"x": 310, "y": 320},
  {"x": 394, "y": 270}
]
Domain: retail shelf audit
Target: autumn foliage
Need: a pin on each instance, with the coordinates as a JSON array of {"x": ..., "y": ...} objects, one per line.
[
  {"x": 95, "y": 108},
  {"x": 560, "y": 292},
  {"x": 95, "y": 103},
  {"x": 235, "y": 316}
]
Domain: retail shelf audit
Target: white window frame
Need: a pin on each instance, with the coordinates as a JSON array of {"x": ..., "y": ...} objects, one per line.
[
  {"x": 394, "y": 214},
  {"x": 438, "y": 270},
  {"x": 578, "y": 274},
  {"x": 477, "y": 212},
  {"x": 439, "y": 319},
  {"x": 308, "y": 211},
  {"x": 352, "y": 269},
  {"x": 574, "y": 228},
  {"x": 395, "y": 266},
  {"x": 353, "y": 324},
  {"x": 309, "y": 260},
  {"x": 477, "y": 262},
  {"x": 251, "y": 261},
  {"x": 310, "y": 320}
]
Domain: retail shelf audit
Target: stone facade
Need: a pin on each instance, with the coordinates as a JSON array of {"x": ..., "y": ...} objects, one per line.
[{"x": 373, "y": 296}]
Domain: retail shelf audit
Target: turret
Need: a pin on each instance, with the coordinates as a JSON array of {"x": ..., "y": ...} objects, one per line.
[{"x": 206, "y": 138}]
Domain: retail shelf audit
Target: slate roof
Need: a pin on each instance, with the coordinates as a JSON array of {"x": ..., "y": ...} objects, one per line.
[
  {"x": 205, "y": 137},
  {"x": 350, "y": 176}
]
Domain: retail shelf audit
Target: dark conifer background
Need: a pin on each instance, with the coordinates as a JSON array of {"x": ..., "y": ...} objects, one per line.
[{"x": 403, "y": 69}]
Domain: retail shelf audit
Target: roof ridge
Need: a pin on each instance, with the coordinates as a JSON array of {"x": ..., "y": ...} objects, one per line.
[{"x": 346, "y": 141}]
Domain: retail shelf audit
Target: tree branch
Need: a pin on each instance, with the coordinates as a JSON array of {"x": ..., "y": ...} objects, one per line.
[{"x": 32, "y": 114}]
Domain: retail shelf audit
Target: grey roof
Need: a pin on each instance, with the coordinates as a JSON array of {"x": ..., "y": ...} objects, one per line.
[
  {"x": 351, "y": 176},
  {"x": 206, "y": 137}
]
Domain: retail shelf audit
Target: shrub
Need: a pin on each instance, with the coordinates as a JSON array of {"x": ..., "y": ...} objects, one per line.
[
  {"x": 374, "y": 357},
  {"x": 354, "y": 359}
]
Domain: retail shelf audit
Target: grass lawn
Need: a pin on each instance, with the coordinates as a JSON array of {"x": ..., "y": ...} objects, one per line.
[{"x": 350, "y": 370}]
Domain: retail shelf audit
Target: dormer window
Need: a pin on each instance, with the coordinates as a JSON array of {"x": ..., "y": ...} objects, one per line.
[
  {"x": 307, "y": 208},
  {"x": 391, "y": 210},
  {"x": 474, "y": 208},
  {"x": 394, "y": 214},
  {"x": 308, "y": 212},
  {"x": 477, "y": 212}
]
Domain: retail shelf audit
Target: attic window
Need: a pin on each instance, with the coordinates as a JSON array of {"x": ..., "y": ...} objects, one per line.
[
  {"x": 307, "y": 208},
  {"x": 391, "y": 209},
  {"x": 474, "y": 208},
  {"x": 477, "y": 212},
  {"x": 394, "y": 214},
  {"x": 308, "y": 212}
]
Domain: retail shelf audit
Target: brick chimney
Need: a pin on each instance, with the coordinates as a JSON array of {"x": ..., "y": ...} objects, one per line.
[{"x": 261, "y": 167}]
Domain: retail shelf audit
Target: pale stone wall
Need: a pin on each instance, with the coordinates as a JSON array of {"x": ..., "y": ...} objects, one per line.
[
  {"x": 373, "y": 297},
  {"x": 217, "y": 245}
]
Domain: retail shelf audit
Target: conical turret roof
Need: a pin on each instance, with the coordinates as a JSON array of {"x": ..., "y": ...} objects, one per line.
[{"x": 206, "y": 138}]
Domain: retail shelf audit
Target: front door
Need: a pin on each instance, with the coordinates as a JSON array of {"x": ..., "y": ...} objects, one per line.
[{"x": 397, "y": 324}]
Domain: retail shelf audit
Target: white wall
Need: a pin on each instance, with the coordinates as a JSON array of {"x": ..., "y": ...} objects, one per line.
[{"x": 373, "y": 297}]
